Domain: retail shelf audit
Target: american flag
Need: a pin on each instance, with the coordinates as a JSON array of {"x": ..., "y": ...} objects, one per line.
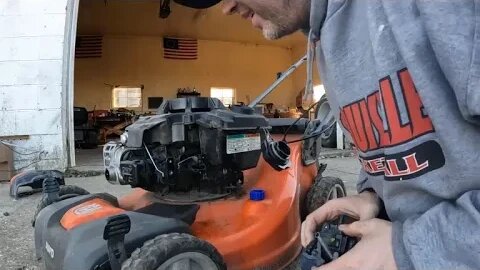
[
  {"x": 89, "y": 46},
  {"x": 180, "y": 48}
]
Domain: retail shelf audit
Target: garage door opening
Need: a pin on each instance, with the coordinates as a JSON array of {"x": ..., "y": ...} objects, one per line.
[{"x": 128, "y": 60}]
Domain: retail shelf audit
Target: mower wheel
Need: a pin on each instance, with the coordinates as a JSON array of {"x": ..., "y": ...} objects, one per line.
[
  {"x": 65, "y": 192},
  {"x": 175, "y": 251},
  {"x": 323, "y": 190}
]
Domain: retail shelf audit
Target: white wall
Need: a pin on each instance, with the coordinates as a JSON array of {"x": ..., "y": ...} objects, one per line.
[{"x": 31, "y": 62}]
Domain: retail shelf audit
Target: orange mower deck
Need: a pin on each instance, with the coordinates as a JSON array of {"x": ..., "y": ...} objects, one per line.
[{"x": 253, "y": 234}]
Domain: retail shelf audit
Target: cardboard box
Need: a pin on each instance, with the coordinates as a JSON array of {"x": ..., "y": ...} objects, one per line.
[{"x": 6, "y": 163}]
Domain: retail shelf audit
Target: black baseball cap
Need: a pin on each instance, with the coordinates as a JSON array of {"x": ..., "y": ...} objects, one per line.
[{"x": 199, "y": 4}]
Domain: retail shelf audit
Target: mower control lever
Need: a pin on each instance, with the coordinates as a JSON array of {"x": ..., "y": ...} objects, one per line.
[{"x": 115, "y": 230}]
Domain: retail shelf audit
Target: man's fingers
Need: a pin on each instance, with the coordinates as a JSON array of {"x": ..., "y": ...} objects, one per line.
[
  {"x": 302, "y": 235},
  {"x": 326, "y": 212},
  {"x": 348, "y": 261},
  {"x": 334, "y": 265},
  {"x": 311, "y": 223},
  {"x": 356, "y": 229},
  {"x": 342, "y": 263},
  {"x": 305, "y": 236},
  {"x": 329, "y": 211},
  {"x": 307, "y": 232}
]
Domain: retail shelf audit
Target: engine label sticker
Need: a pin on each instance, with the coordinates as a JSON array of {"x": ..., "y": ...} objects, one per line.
[{"x": 243, "y": 143}]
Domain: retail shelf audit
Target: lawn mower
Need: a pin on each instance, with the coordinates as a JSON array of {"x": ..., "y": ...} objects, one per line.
[{"x": 214, "y": 188}]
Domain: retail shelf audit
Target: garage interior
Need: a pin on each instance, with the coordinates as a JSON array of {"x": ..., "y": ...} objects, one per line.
[{"x": 121, "y": 70}]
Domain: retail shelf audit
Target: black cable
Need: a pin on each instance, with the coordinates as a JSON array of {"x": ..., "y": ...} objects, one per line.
[
  {"x": 296, "y": 121},
  {"x": 30, "y": 164},
  {"x": 313, "y": 135}
]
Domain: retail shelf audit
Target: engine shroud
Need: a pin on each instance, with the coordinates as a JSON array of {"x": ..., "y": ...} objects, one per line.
[{"x": 192, "y": 144}]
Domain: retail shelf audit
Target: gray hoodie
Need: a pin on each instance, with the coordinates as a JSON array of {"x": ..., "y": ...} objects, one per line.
[{"x": 403, "y": 77}]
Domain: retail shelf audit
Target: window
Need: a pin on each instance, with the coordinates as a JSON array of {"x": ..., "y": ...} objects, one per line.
[
  {"x": 318, "y": 92},
  {"x": 127, "y": 97},
  {"x": 225, "y": 95}
]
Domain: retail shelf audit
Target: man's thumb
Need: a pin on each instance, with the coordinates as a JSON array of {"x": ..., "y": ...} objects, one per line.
[{"x": 356, "y": 229}]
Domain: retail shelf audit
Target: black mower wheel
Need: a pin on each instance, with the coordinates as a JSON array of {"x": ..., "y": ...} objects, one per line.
[
  {"x": 175, "y": 251},
  {"x": 323, "y": 190},
  {"x": 64, "y": 193}
]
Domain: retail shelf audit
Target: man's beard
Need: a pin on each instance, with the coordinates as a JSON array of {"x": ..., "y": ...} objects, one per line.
[
  {"x": 276, "y": 26},
  {"x": 273, "y": 31}
]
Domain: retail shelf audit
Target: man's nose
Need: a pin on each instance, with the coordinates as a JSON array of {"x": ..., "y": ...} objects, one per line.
[{"x": 229, "y": 7}]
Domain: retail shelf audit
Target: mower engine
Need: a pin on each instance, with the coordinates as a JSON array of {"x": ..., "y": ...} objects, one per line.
[{"x": 192, "y": 144}]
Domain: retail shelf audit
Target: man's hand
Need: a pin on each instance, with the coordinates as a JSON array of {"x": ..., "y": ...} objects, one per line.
[
  {"x": 363, "y": 206},
  {"x": 373, "y": 252}
]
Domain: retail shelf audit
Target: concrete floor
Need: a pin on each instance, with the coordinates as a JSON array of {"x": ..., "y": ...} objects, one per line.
[
  {"x": 345, "y": 168},
  {"x": 89, "y": 159},
  {"x": 16, "y": 232}
]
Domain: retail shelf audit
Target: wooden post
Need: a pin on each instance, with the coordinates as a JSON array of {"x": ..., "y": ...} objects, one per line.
[
  {"x": 6, "y": 163},
  {"x": 7, "y": 170}
]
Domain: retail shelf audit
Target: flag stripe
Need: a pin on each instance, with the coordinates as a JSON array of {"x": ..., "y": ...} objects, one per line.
[
  {"x": 180, "y": 56},
  {"x": 183, "y": 51}
]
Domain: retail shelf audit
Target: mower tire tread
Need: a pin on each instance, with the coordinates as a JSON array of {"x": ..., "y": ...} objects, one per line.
[
  {"x": 156, "y": 251},
  {"x": 64, "y": 191},
  {"x": 319, "y": 192}
]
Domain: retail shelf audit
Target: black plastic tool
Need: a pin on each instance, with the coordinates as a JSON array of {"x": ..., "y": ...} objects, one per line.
[{"x": 328, "y": 244}]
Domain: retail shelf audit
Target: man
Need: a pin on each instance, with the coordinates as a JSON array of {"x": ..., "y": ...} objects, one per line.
[{"x": 403, "y": 77}]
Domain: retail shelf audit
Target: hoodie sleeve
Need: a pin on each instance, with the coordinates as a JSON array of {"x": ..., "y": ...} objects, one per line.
[
  {"x": 453, "y": 30},
  {"x": 445, "y": 237},
  {"x": 363, "y": 183}
]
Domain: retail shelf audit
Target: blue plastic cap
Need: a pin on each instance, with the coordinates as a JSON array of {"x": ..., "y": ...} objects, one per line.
[{"x": 257, "y": 194}]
